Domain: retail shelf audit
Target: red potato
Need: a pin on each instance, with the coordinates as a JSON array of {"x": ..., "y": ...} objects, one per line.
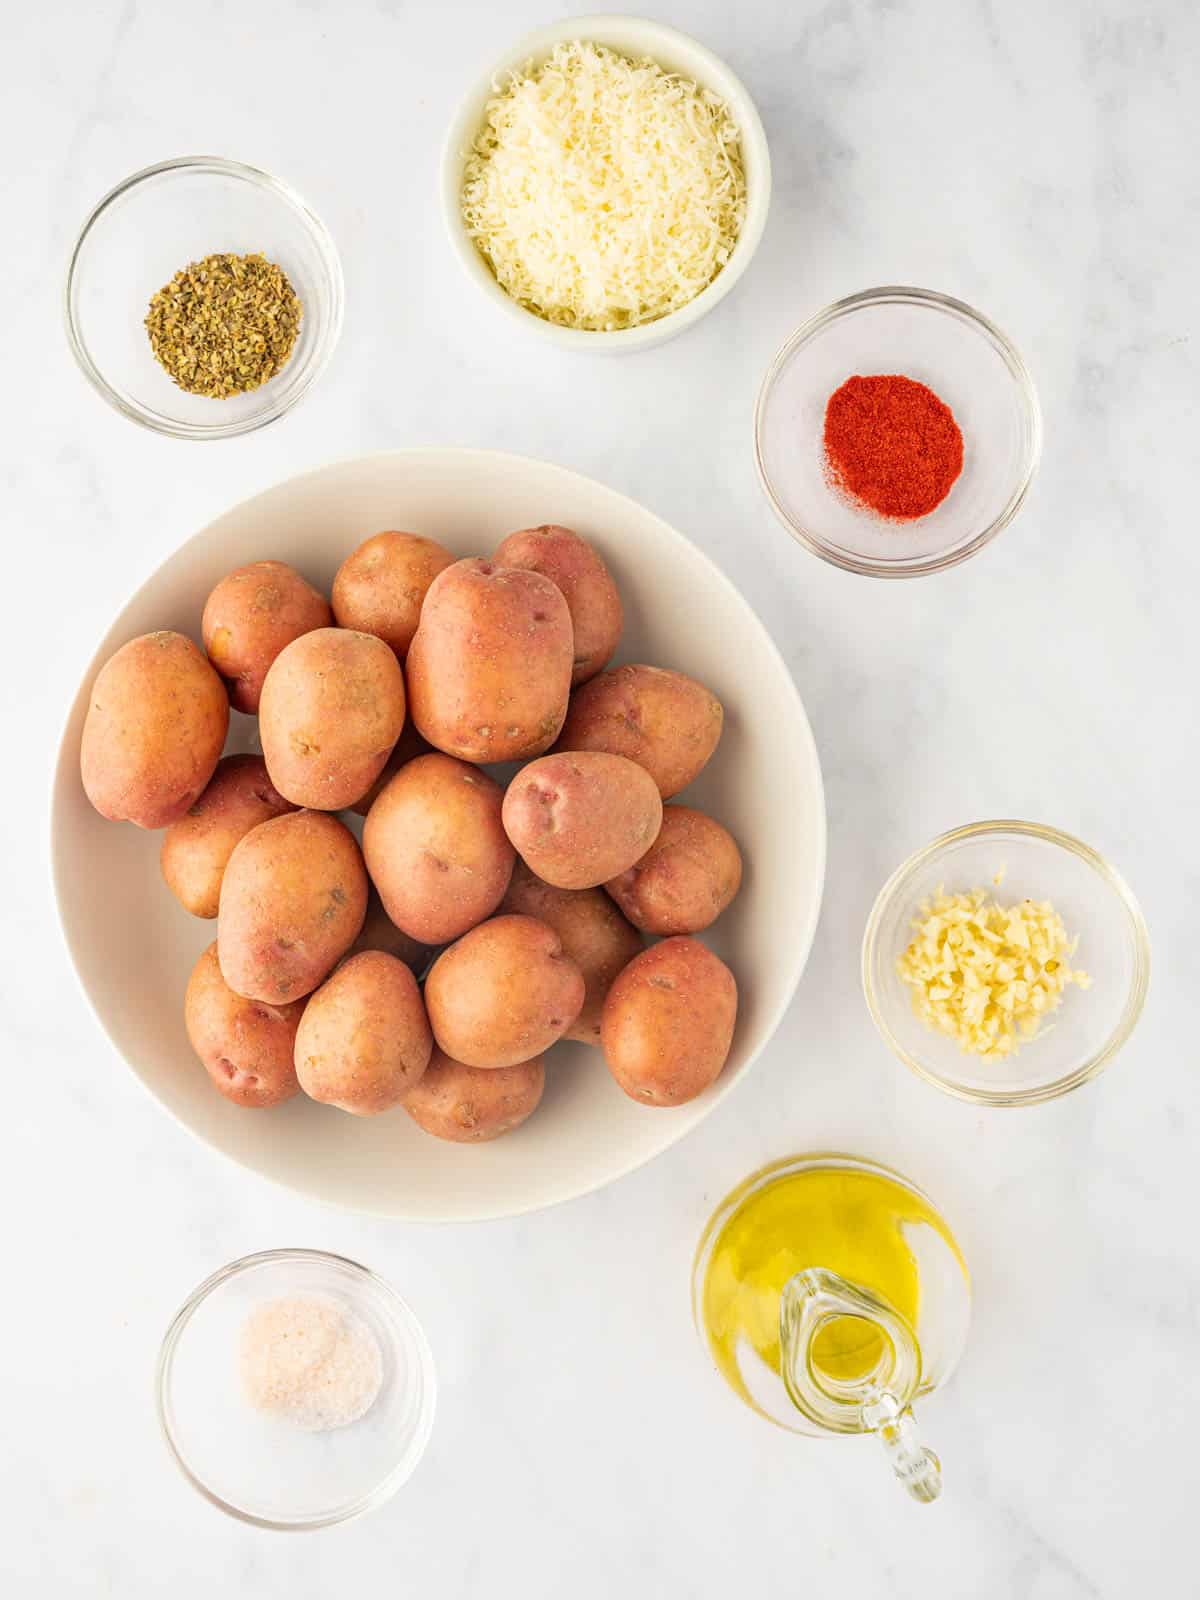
[
  {"x": 668, "y": 1023},
  {"x": 293, "y": 900},
  {"x": 665, "y": 721},
  {"x": 580, "y": 818},
  {"x": 436, "y": 849},
  {"x": 364, "y": 1039},
  {"x": 407, "y": 748},
  {"x": 331, "y": 710},
  {"x": 685, "y": 880},
  {"x": 379, "y": 932},
  {"x": 381, "y": 586},
  {"x": 196, "y": 849},
  {"x": 246, "y": 1046},
  {"x": 489, "y": 669},
  {"x": 470, "y": 1105},
  {"x": 155, "y": 727},
  {"x": 250, "y": 616},
  {"x": 593, "y": 932},
  {"x": 592, "y": 599},
  {"x": 503, "y": 993}
]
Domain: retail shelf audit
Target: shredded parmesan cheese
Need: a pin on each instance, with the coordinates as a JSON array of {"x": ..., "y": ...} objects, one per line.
[
  {"x": 604, "y": 192},
  {"x": 987, "y": 974}
]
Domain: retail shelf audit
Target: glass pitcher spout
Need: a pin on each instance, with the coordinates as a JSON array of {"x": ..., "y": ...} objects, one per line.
[{"x": 851, "y": 1364}]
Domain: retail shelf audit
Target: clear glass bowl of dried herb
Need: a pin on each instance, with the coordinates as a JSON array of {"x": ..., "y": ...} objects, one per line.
[{"x": 203, "y": 298}]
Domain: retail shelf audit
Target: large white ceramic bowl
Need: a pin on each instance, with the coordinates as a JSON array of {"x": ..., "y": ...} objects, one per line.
[
  {"x": 134, "y": 946},
  {"x": 672, "y": 50}
]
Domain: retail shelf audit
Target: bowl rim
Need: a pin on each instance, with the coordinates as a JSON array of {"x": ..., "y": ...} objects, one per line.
[
  {"x": 157, "y": 422},
  {"x": 1036, "y": 1094},
  {"x": 640, "y": 34},
  {"x": 397, "y": 1305},
  {"x": 66, "y": 772},
  {"x": 929, "y": 299}
]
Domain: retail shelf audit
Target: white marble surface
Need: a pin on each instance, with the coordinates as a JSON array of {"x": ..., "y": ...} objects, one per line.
[{"x": 1038, "y": 160}]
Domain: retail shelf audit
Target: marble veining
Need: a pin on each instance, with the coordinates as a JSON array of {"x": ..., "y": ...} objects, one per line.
[{"x": 1038, "y": 161}]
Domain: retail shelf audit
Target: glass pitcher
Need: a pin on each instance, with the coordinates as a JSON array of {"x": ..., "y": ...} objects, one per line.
[{"x": 831, "y": 1294}]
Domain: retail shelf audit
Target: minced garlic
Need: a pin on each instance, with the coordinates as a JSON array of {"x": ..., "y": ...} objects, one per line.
[
  {"x": 604, "y": 192},
  {"x": 986, "y": 974}
]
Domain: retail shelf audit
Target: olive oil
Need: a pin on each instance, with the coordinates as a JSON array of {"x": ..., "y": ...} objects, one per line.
[{"x": 847, "y": 1217}]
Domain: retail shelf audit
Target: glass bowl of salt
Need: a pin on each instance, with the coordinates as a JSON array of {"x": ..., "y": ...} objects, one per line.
[{"x": 296, "y": 1389}]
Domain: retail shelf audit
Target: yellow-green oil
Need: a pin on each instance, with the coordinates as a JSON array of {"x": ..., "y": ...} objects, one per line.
[{"x": 849, "y": 1221}]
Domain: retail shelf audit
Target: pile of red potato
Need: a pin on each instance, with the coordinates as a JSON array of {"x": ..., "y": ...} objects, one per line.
[{"x": 524, "y": 907}]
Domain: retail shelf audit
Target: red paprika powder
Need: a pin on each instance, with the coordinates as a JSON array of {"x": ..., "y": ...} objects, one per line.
[{"x": 892, "y": 446}]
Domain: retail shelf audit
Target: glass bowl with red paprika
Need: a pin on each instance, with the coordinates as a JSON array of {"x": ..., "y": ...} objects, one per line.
[{"x": 897, "y": 432}]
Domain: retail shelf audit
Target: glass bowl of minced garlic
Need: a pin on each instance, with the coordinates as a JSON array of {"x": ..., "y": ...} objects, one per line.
[
  {"x": 1006, "y": 962},
  {"x": 203, "y": 298}
]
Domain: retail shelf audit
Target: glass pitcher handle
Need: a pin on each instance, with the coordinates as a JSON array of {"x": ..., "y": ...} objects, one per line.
[
  {"x": 875, "y": 1402},
  {"x": 916, "y": 1466}
]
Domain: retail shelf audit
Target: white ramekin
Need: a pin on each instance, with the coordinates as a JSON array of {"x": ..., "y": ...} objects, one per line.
[{"x": 630, "y": 36}]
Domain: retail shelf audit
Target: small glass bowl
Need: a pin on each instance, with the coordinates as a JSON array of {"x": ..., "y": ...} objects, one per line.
[
  {"x": 1078, "y": 1040},
  {"x": 267, "y": 1471},
  {"x": 155, "y": 223},
  {"x": 966, "y": 361}
]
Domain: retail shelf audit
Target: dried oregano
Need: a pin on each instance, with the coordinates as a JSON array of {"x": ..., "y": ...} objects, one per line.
[{"x": 224, "y": 325}]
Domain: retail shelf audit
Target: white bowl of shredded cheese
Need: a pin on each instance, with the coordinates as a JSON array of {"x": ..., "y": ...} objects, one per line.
[{"x": 607, "y": 182}]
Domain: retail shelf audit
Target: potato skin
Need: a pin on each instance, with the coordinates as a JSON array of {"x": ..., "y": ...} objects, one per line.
[
  {"x": 293, "y": 900},
  {"x": 593, "y": 932},
  {"x": 592, "y": 599},
  {"x": 364, "y": 1039},
  {"x": 248, "y": 618},
  {"x": 332, "y": 707},
  {"x": 246, "y": 1046},
  {"x": 668, "y": 1022},
  {"x": 379, "y": 932},
  {"x": 196, "y": 849},
  {"x": 685, "y": 880},
  {"x": 154, "y": 730},
  {"x": 407, "y": 748},
  {"x": 665, "y": 721},
  {"x": 436, "y": 849},
  {"x": 470, "y": 1105},
  {"x": 489, "y": 669},
  {"x": 503, "y": 993},
  {"x": 381, "y": 586},
  {"x": 581, "y": 817}
]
